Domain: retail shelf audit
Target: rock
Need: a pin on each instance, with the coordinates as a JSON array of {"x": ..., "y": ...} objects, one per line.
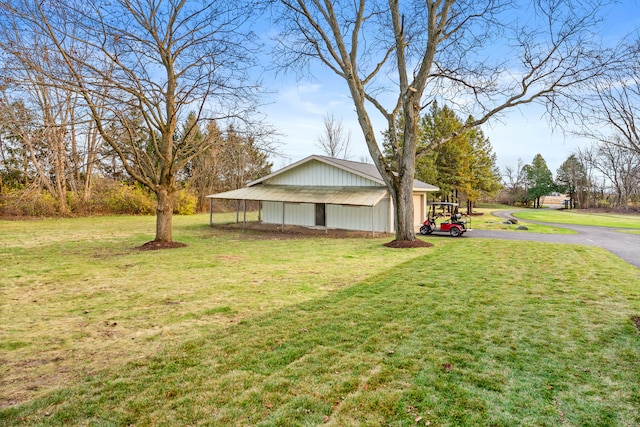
[{"x": 522, "y": 227}]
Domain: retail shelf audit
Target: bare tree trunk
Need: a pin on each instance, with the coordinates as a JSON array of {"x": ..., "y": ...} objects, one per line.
[
  {"x": 164, "y": 214},
  {"x": 74, "y": 158},
  {"x": 42, "y": 177},
  {"x": 404, "y": 213},
  {"x": 59, "y": 168},
  {"x": 90, "y": 159},
  {"x": 404, "y": 209}
]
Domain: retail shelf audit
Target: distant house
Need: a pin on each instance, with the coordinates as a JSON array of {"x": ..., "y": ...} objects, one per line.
[{"x": 324, "y": 192}]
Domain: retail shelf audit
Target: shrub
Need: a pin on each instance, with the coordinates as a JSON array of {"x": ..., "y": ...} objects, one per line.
[
  {"x": 28, "y": 202},
  {"x": 121, "y": 198},
  {"x": 186, "y": 203},
  {"x": 107, "y": 198}
]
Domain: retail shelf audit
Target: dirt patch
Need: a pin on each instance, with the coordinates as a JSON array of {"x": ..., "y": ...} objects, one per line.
[
  {"x": 636, "y": 321},
  {"x": 229, "y": 257},
  {"x": 155, "y": 245},
  {"x": 402, "y": 244},
  {"x": 257, "y": 230}
]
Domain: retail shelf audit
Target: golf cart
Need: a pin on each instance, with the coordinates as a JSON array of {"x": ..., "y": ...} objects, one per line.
[{"x": 455, "y": 226}]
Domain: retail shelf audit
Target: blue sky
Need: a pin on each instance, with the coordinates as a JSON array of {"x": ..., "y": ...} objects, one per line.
[{"x": 297, "y": 108}]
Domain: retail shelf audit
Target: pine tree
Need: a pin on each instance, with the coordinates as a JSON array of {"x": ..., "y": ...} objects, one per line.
[
  {"x": 540, "y": 180},
  {"x": 485, "y": 175},
  {"x": 464, "y": 166},
  {"x": 572, "y": 179}
]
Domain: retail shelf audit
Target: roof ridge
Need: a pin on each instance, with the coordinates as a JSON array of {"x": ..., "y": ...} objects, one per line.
[{"x": 366, "y": 170}]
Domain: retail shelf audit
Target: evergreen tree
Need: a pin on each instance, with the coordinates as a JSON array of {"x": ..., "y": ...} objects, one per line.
[
  {"x": 540, "y": 180},
  {"x": 465, "y": 166},
  {"x": 572, "y": 179},
  {"x": 485, "y": 175}
]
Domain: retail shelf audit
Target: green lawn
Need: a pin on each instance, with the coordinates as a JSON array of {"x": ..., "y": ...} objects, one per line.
[
  {"x": 630, "y": 231},
  {"x": 249, "y": 329},
  {"x": 581, "y": 218},
  {"x": 488, "y": 221}
]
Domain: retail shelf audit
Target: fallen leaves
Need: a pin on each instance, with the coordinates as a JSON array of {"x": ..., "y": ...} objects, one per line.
[{"x": 412, "y": 411}]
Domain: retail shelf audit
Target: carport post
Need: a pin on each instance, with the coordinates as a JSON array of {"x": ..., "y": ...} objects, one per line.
[
  {"x": 244, "y": 218},
  {"x": 210, "y": 212},
  {"x": 373, "y": 227}
]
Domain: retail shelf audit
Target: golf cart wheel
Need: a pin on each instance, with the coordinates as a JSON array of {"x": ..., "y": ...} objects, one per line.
[
  {"x": 455, "y": 232},
  {"x": 424, "y": 230}
]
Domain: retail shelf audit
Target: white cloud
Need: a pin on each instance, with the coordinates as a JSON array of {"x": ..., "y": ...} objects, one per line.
[{"x": 301, "y": 99}]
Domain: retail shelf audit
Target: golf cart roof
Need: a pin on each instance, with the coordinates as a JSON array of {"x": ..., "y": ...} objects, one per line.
[{"x": 443, "y": 204}]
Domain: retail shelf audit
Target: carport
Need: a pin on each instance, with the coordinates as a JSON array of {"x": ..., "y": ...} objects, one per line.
[{"x": 319, "y": 196}]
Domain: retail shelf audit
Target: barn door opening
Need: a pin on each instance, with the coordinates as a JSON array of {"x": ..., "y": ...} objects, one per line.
[{"x": 321, "y": 215}]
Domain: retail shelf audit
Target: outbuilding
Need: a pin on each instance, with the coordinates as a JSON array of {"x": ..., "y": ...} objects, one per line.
[{"x": 325, "y": 192}]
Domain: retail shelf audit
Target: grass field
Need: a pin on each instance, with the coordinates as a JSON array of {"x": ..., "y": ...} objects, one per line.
[
  {"x": 581, "y": 218},
  {"x": 487, "y": 221},
  {"x": 254, "y": 329}
]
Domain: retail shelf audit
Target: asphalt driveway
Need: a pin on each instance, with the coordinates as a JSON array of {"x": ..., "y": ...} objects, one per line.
[{"x": 624, "y": 245}]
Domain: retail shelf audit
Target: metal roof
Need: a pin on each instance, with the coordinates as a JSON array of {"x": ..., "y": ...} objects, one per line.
[
  {"x": 355, "y": 196},
  {"x": 366, "y": 170}
]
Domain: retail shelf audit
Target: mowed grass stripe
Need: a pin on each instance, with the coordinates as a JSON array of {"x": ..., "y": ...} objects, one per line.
[
  {"x": 474, "y": 333},
  {"x": 578, "y": 217},
  {"x": 76, "y": 297}
]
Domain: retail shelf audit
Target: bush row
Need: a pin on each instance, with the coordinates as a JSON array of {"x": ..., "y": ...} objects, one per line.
[{"x": 106, "y": 198}]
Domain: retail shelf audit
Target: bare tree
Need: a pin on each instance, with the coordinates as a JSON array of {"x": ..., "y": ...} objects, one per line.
[
  {"x": 619, "y": 166},
  {"x": 594, "y": 186},
  {"x": 140, "y": 66},
  {"x": 615, "y": 105},
  {"x": 40, "y": 129},
  {"x": 515, "y": 184},
  {"x": 334, "y": 142},
  {"x": 610, "y": 119},
  {"x": 41, "y": 116},
  {"x": 398, "y": 57},
  {"x": 572, "y": 179}
]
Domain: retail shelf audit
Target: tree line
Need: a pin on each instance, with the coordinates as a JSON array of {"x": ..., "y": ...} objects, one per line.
[
  {"x": 604, "y": 175},
  {"x": 72, "y": 171}
]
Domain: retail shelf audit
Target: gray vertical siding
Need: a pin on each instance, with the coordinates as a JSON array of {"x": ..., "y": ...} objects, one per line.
[
  {"x": 302, "y": 214},
  {"x": 337, "y": 216},
  {"x": 319, "y": 174}
]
